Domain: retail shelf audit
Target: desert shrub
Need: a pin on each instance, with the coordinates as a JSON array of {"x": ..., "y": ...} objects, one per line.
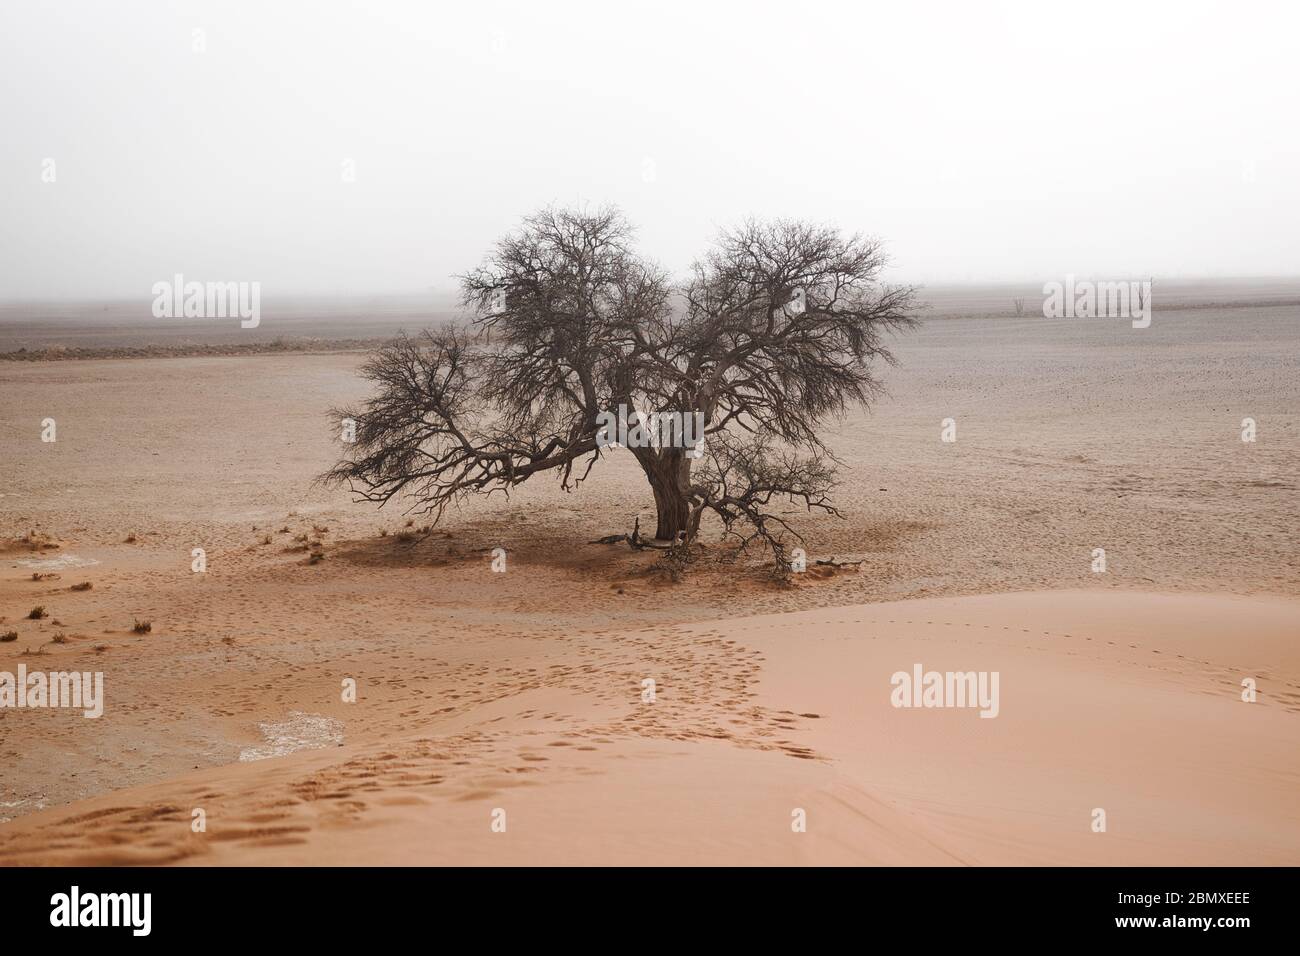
[{"x": 36, "y": 541}]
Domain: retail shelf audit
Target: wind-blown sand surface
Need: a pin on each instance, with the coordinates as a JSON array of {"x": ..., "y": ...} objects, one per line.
[
  {"x": 522, "y": 691},
  {"x": 1125, "y": 702}
]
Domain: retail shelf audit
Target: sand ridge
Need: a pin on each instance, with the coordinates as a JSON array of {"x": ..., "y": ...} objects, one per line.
[{"x": 711, "y": 772}]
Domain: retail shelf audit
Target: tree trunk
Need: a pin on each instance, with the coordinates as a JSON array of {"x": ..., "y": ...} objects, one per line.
[{"x": 669, "y": 475}]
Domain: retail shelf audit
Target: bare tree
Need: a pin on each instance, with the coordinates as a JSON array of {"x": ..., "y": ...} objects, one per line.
[{"x": 773, "y": 332}]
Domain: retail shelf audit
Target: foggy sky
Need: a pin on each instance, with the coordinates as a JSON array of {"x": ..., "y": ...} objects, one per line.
[{"x": 982, "y": 141}]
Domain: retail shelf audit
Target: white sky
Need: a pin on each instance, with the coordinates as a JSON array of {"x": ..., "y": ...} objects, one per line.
[{"x": 981, "y": 140}]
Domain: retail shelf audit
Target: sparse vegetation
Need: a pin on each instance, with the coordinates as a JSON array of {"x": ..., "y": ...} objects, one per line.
[
  {"x": 36, "y": 541},
  {"x": 59, "y": 638},
  {"x": 142, "y": 627}
]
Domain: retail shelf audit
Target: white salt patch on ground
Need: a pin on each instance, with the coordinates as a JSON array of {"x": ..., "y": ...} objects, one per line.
[
  {"x": 12, "y": 804},
  {"x": 300, "y": 732},
  {"x": 61, "y": 563}
]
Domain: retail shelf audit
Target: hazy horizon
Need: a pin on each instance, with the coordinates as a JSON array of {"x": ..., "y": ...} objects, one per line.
[{"x": 1008, "y": 144}]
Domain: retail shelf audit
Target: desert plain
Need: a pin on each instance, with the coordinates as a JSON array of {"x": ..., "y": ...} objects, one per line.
[{"x": 502, "y": 716}]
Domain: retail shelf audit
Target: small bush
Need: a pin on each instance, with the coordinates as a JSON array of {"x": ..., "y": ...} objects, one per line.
[
  {"x": 83, "y": 586},
  {"x": 142, "y": 627},
  {"x": 36, "y": 613},
  {"x": 36, "y": 541},
  {"x": 60, "y": 638},
  {"x": 8, "y": 636},
  {"x": 130, "y": 538}
]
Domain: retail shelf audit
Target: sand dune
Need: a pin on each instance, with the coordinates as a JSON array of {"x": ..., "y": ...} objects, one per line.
[{"x": 1126, "y": 702}]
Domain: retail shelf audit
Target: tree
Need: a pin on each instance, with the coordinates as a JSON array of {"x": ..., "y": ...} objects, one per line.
[{"x": 771, "y": 334}]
